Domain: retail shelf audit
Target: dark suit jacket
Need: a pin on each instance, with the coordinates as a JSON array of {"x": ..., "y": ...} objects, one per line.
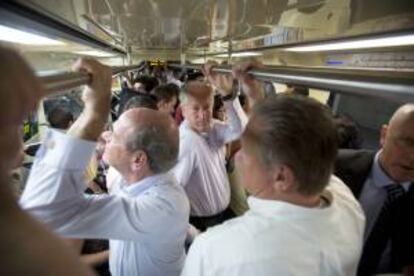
[{"x": 354, "y": 167}]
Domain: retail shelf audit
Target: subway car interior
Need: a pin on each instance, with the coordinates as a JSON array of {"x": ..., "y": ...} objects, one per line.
[{"x": 354, "y": 57}]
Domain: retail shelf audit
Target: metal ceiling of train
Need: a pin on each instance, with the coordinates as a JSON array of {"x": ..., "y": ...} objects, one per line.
[{"x": 207, "y": 26}]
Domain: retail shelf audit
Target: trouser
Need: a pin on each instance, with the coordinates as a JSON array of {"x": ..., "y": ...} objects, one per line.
[{"x": 202, "y": 223}]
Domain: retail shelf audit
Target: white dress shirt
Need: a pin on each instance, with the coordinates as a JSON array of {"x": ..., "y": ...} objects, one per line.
[
  {"x": 278, "y": 238},
  {"x": 145, "y": 222},
  {"x": 201, "y": 168},
  {"x": 114, "y": 181}
]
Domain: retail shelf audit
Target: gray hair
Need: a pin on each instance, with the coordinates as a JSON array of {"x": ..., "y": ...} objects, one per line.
[
  {"x": 297, "y": 132},
  {"x": 185, "y": 93},
  {"x": 157, "y": 143}
]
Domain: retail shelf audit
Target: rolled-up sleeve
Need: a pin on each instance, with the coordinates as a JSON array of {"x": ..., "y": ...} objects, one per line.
[
  {"x": 55, "y": 195},
  {"x": 236, "y": 122},
  {"x": 184, "y": 168}
]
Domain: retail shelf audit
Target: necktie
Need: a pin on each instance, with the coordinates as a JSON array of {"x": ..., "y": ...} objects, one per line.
[{"x": 379, "y": 236}]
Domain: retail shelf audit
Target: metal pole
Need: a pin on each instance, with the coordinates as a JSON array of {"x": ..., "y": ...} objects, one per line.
[
  {"x": 389, "y": 84},
  {"x": 59, "y": 81}
]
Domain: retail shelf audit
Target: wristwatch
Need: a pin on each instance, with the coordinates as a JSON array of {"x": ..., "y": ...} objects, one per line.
[{"x": 229, "y": 97}]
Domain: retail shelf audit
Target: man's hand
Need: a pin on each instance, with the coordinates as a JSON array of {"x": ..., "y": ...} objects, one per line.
[
  {"x": 97, "y": 99},
  {"x": 97, "y": 94},
  {"x": 20, "y": 89},
  {"x": 252, "y": 87},
  {"x": 20, "y": 92},
  {"x": 222, "y": 82}
]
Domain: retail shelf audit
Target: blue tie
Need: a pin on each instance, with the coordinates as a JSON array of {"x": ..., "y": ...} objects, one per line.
[{"x": 380, "y": 234}]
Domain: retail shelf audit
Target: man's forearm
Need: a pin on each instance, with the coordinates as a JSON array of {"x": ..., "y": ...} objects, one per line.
[
  {"x": 89, "y": 125},
  {"x": 236, "y": 122}
]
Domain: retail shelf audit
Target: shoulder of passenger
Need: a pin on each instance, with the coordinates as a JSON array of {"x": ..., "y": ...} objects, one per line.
[
  {"x": 342, "y": 194},
  {"x": 187, "y": 144},
  {"x": 223, "y": 232}
]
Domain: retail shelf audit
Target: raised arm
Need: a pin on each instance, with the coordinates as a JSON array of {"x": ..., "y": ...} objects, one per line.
[
  {"x": 253, "y": 88},
  {"x": 21, "y": 236},
  {"x": 236, "y": 118},
  {"x": 97, "y": 99},
  {"x": 54, "y": 192}
]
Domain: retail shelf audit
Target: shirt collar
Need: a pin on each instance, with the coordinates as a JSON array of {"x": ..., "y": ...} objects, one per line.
[
  {"x": 144, "y": 184},
  {"x": 277, "y": 207},
  {"x": 186, "y": 126},
  {"x": 380, "y": 177}
]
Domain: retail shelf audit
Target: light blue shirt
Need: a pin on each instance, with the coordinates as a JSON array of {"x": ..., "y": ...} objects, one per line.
[
  {"x": 145, "y": 222},
  {"x": 373, "y": 195},
  {"x": 372, "y": 199}
]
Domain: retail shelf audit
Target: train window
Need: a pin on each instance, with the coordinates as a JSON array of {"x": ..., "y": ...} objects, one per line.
[
  {"x": 368, "y": 113},
  {"x": 320, "y": 95}
]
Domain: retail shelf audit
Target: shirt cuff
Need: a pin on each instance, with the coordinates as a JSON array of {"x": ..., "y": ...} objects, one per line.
[
  {"x": 63, "y": 151},
  {"x": 234, "y": 104}
]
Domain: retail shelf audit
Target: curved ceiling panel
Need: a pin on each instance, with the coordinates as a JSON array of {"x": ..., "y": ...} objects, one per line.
[{"x": 208, "y": 25}]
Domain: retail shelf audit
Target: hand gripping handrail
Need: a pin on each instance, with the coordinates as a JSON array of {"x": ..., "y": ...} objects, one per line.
[
  {"x": 58, "y": 81},
  {"x": 395, "y": 85}
]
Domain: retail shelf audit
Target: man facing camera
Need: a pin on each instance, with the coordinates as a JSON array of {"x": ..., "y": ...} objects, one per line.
[
  {"x": 201, "y": 169},
  {"x": 383, "y": 183}
]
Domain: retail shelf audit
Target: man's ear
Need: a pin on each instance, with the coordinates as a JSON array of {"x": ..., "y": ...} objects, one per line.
[
  {"x": 183, "y": 110},
  {"x": 161, "y": 104},
  {"x": 283, "y": 178},
  {"x": 139, "y": 160},
  {"x": 383, "y": 134}
]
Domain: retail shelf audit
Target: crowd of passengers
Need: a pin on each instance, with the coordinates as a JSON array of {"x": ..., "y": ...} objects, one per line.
[{"x": 193, "y": 177}]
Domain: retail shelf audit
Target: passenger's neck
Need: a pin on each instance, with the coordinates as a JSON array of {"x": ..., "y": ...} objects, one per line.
[
  {"x": 294, "y": 198},
  {"x": 132, "y": 178}
]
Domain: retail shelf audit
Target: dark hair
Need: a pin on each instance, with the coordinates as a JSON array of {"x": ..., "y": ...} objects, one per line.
[
  {"x": 60, "y": 118},
  {"x": 299, "y": 90},
  {"x": 348, "y": 133},
  {"x": 242, "y": 100},
  {"x": 194, "y": 76},
  {"x": 141, "y": 100},
  {"x": 166, "y": 92},
  {"x": 298, "y": 132},
  {"x": 148, "y": 82},
  {"x": 218, "y": 103}
]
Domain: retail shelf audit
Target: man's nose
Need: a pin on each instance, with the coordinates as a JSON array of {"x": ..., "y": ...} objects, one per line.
[{"x": 204, "y": 114}]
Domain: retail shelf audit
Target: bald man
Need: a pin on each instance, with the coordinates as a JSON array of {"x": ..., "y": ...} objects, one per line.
[
  {"x": 147, "y": 219},
  {"x": 201, "y": 169},
  {"x": 383, "y": 183}
]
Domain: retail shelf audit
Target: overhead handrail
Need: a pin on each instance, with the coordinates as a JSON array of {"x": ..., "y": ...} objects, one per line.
[
  {"x": 58, "y": 81},
  {"x": 389, "y": 84}
]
